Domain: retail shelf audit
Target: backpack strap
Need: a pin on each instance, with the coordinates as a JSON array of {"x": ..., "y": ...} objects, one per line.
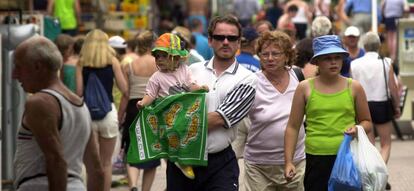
[{"x": 299, "y": 73}]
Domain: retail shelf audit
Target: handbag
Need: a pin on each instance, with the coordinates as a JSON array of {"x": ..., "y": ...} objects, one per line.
[{"x": 389, "y": 100}]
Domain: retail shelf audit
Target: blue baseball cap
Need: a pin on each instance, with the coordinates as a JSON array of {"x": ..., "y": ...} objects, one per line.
[
  {"x": 327, "y": 44},
  {"x": 249, "y": 34}
]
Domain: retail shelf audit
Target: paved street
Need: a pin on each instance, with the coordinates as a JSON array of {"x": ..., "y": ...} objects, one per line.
[{"x": 401, "y": 169}]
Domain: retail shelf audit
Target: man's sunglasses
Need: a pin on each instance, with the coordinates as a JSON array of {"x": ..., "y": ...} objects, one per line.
[{"x": 228, "y": 37}]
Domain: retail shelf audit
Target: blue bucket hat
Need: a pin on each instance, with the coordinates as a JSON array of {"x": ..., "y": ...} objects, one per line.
[{"x": 327, "y": 44}]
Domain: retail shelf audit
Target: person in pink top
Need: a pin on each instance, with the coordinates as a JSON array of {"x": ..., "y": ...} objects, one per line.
[
  {"x": 269, "y": 114},
  {"x": 173, "y": 76}
]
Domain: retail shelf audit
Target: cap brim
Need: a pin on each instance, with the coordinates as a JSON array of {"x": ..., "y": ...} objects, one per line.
[
  {"x": 118, "y": 46},
  {"x": 333, "y": 50},
  {"x": 182, "y": 53},
  {"x": 352, "y": 34}
]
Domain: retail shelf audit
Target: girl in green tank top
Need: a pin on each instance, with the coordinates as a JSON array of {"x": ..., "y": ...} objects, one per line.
[
  {"x": 333, "y": 106},
  {"x": 66, "y": 45}
]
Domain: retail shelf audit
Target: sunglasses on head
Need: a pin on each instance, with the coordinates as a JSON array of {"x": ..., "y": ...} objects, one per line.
[{"x": 228, "y": 37}]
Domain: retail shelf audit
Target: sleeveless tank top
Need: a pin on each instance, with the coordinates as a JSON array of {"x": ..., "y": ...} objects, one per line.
[
  {"x": 69, "y": 76},
  {"x": 74, "y": 132},
  {"x": 327, "y": 117},
  {"x": 64, "y": 10},
  {"x": 137, "y": 84}
]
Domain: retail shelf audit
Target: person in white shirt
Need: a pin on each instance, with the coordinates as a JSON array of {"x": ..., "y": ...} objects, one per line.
[
  {"x": 231, "y": 94},
  {"x": 376, "y": 76}
]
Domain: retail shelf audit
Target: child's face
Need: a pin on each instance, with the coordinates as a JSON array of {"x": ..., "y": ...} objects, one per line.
[
  {"x": 330, "y": 63},
  {"x": 166, "y": 62}
]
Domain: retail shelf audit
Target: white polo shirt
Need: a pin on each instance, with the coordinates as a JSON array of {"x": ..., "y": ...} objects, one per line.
[{"x": 231, "y": 95}]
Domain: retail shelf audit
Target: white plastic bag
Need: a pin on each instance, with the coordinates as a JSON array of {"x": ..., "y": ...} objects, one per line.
[{"x": 374, "y": 173}]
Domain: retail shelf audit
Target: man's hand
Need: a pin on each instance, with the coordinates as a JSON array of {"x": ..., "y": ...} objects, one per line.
[{"x": 397, "y": 113}]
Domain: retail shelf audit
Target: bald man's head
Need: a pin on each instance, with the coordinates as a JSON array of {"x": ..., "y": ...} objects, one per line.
[{"x": 39, "y": 50}]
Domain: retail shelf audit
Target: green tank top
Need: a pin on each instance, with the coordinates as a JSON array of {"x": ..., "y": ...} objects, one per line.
[
  {"x": 327, "y": 117},
  {"x": 64, "y": 10},
  {"x": 69, "y": 77}
]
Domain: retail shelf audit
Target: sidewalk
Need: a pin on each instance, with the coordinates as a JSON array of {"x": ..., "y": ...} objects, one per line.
[{"x": 401, "y": 169}]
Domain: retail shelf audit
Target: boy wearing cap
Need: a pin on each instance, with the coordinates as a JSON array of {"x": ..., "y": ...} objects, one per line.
[
  {"x": 246, "y": 57},
  {"x": 351, "y": 39},
  {"x": 172, "y": 77},
  {"x": 333, "y": 105}
]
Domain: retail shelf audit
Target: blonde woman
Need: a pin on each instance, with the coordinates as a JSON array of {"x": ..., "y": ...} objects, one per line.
[
  {"x": 137, "y": 74},
  {"x": 98, "y": 57}
]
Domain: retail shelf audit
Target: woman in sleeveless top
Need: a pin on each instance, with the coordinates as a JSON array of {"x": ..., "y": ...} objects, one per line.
[
  {"x": 99, "y": 58},
  {"x": 65, "y": 44},
  {"x": 137, "y": 74},
  {"x": 333, "y": 106}
]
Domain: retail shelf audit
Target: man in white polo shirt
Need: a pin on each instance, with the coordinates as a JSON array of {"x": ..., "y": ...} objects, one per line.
[{"x": 232, "y": 90}]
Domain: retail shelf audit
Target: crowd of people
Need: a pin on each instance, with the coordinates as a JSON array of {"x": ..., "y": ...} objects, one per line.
[{"x": 281, "y": 94}]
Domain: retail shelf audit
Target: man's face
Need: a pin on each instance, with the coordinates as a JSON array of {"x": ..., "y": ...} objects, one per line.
[
  {"x": 262, "y": 28},
  {"x": 225, "y": 41},
  {"x": 24, "y": 72},
  {"x": 351, "y": 41}
]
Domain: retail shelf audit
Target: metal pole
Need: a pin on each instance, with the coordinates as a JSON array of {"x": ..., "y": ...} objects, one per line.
[
  {"x": 374, "y": 17},
  {"x": 214, "y": 10}
]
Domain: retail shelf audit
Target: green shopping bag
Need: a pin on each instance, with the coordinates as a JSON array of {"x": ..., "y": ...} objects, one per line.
[{"x": 173, "y": 127}]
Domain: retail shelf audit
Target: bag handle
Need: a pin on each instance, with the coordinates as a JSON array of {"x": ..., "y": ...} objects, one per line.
[{"x": 385, "y": 77}]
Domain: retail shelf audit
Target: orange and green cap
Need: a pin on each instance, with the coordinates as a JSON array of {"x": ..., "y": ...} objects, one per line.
[{"x": 171, "y": 44}]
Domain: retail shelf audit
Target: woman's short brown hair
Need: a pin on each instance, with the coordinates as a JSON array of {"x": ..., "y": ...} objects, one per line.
[{"x": 282, "y": 41}]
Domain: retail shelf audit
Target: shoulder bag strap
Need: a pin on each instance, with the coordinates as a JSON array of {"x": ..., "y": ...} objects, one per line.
[
  {"x": 385, "y": 77},
  {"x": 299, "y": 73}
]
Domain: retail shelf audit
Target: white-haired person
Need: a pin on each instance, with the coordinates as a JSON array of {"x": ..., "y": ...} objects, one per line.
[{"x": 376, "y": 75}]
